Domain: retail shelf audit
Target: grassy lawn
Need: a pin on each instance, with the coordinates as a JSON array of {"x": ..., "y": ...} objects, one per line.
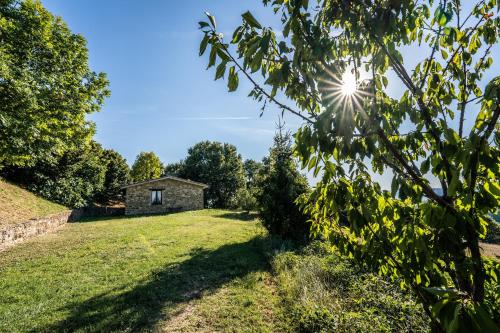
[
  {"x": 19, "y": 205},
  {"x": 185, "y": 272}
]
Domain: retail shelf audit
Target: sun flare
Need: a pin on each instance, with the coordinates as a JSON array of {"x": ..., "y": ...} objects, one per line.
[{"x": 348, "y": 84}]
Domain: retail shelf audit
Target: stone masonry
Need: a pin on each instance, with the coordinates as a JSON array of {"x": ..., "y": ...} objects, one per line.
[
  {"x": 11, "y": 234},
  {"x": 177, "y": 195}
]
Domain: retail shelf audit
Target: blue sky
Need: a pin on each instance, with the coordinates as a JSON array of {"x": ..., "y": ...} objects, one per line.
[{"x": 162, "y": 98}]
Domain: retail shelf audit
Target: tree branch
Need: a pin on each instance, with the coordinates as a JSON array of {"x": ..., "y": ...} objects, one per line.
[
  {"x": 431, "y": 58},
  {"x": 258, "y": 87},
  {"x": 403, "y": 75}
]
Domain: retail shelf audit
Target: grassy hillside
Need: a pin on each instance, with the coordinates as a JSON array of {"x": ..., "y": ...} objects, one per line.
[{"x": 18, "y": 205}]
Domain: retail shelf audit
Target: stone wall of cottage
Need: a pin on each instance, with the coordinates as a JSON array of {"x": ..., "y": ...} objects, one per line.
[
  {"x": 176, "y": 196},
  {"x": 11, "y": 234}
]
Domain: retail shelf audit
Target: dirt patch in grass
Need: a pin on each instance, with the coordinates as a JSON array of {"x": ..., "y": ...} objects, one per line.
[{"x": 180, "y": 320}]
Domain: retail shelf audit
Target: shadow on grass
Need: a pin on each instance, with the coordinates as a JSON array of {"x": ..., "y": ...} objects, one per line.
[
  {"x": 119, "y": 217},
  {"x": 242, "y": 216},
  {"x": 98, "y": 219},
  {"x": 141, "y": 307}
]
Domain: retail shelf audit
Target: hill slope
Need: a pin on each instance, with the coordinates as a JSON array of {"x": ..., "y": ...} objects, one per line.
[{"x": 18, "y": 205}]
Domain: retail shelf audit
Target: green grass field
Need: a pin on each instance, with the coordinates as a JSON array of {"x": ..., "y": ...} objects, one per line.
[{"x": 185, "y": 272}]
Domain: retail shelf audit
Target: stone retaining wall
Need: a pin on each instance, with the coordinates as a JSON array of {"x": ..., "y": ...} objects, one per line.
[{"x": 15, "y": 233}]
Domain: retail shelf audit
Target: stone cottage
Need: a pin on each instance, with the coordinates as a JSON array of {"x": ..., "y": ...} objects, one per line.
[{"x": 162, "y": 195}]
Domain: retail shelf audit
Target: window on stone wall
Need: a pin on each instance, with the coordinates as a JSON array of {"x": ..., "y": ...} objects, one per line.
[{"x": 156, "y": 197}]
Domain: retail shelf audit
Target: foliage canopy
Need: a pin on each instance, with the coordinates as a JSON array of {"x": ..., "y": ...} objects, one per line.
[
  {"x": 116, "y": 175},
  {"x": 424, "y": 238},
  {"x": 219, "y": 166},
  {"x": 72, "y": 179},
  {"x": 46, "y": 86},
  {"x": 146, "y": 166}
]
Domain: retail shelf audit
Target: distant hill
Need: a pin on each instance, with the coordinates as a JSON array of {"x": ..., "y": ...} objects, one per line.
[{"x": 18, "y": 205}]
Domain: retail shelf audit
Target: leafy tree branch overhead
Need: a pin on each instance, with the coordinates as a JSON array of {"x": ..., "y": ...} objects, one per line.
[{"x": 424, "y": 238}]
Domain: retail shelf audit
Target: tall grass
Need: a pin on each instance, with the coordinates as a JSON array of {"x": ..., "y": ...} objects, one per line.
[{"x": 323, "y": 293}]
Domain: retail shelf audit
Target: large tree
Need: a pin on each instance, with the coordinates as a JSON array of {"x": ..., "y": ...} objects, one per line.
[
  {"x": 46, "y": 86},
  {"x": 252, "y": 169},
  {"x": 174, "y": 169},
  {"x": 218, "y": 165},
  {"x": 444, "y": 127},
  {"x": 246, "y": 197},
  {"x": 116, "y": 175},
  {"x": 146, "y": 166}
]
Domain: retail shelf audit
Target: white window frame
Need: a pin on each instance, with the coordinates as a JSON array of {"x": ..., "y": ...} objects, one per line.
[{"x": 154, "y": 197}]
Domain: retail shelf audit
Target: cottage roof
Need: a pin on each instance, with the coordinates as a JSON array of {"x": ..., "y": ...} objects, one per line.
[{"x": 187, "y": 181}]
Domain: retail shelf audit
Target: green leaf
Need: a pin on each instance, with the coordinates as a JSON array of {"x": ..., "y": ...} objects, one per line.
[
  {"x": 237, "y": 34},
  {"x": 221, "y": 69},
  {"x": 441, "y": 16},
  {"x": 212, "y": 57},
  {"x": 394, "y": 186},
  {"x": 451, "y": 136},
  {"x": 248, "y": 17},
  {"x": 438, "y": 291},
  {"x": 264, "y": 43},
  {"x": 223, "y": 54},
  {"x": 455, "y": 177},
  {"x": 425, "y": 166},
  {"x": 212, "y": 19},
  {"x": 484, "y": 321},
  {"x": 493, "y": 189},
  {"x": 203, "y": 44},
  {"x": 336, "y": 154},
  {"x": 202, "y": 24},
  {"x": 233, "y": 81},
  {"x": 312, "y": 163},
  {"x": 385, "y": 81}
]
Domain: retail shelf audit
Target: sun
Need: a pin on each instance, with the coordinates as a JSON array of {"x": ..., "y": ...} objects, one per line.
[
  {"x": 348, "y": 86},
  {"x": 344, "y": 92}
]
